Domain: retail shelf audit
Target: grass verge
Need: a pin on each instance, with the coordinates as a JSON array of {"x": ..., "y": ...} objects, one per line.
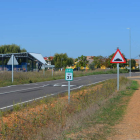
[
  {"x": 99, "y": 125},
  {"x": 33, "y": 77},
  {"x": 53, "y": 118}
]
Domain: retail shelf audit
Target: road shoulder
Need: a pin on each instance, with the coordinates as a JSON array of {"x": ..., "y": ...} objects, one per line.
[{"x": 129, "y": 128}]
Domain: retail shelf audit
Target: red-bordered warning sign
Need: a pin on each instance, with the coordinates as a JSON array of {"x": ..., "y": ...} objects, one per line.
[{"x": 118, "y": 57}]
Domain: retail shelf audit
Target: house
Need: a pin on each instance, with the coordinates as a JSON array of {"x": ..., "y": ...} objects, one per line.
[
  {"x": 48, "y": 59},
  {"x": 90, "y": 59}
]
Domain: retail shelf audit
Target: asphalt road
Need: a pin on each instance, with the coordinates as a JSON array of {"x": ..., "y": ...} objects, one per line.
[{"x": 29, "y": 92}]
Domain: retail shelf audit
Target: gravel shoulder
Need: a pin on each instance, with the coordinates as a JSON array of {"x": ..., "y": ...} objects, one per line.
[{"x": 129, "y": 128}]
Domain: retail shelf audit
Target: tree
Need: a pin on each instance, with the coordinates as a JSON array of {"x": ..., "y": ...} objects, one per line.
[
  {"x": 11, "y": 49},
  {"x": 23, "y": 50},
  {"x": 107, "y": 62},
  {"x": 98, "y": 61},
  {"x": 92, "y": 66},
  {"x": 62, "y": 60},
  {"x": 70, "y": 61},
  {"x": 81, "y": 61},
  {"x": 133, "y": 63}
]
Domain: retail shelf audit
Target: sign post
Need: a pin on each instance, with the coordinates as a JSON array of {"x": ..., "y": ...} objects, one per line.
[
  {"x": 118, "y": 58},
  {"x": 117, "y": 76},
  {"x": 12, "y": 61},
  {"x": 69, "y": 77},
  {"x": 43, "y": 67}
]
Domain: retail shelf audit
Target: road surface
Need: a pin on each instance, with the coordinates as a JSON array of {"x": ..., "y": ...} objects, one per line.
[{"x": 29, "y": 92}]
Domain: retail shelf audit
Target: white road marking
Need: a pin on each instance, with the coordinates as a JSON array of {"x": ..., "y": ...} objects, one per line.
[
  {"x": 26, "y": 102},
  {"x": 30, "y": 84},
  {"x": 95, "y": 82},
  {"x": 26, "y": 84},
  {"x": 59, "y": 84},
  {"x": 24, "y": 89},
  {"x": 55, "y": 85},
  {"x": 50, "y": 94},
  {"x": 67, "y": 85},
  {"x": 12, "y": 86}
]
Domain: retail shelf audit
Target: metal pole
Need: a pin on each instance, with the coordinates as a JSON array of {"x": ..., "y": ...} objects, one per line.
[
  {"x": 2, "y": 63},
  {"x": 139, "y": 62},
  {"x": 68, "y": 91},
  {"x": 12, "y": 67},
  {"x": 130, "y": 50},
  {"x": 52, "y": 71},
  {"x": 27, "y": 62},
  {"x": 43, "y": 69},
  {"x": 117, "y": 76},
  {"x": 61, "y": 63}
]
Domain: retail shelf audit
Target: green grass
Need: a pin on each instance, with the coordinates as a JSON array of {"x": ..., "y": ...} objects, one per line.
[{"x": 108, "y": 115}]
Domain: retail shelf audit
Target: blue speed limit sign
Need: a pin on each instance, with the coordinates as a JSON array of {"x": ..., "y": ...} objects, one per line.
[{"x": 69, "y": 74}]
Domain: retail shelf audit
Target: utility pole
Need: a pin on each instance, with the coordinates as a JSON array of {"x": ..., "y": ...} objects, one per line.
[{"x": 130, "y": 50}]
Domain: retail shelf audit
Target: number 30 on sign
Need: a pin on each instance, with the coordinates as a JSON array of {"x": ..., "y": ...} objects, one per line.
[{"x": 69, "y": 74}]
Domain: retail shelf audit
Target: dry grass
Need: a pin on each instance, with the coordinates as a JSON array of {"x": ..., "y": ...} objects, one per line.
[
  {"x": 33, "y": 77},
  {"x": 51, "y": 118}
]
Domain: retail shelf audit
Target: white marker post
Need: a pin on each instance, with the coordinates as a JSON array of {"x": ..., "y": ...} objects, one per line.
[
  {"x": 118, "y": 58},
  {"x": 69, "y": 77}
]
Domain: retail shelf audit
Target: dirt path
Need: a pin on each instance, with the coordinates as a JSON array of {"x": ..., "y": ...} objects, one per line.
[{"x": 129, "y": 128}]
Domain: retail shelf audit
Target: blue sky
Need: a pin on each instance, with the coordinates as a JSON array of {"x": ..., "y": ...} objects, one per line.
[{"x": 75, "y": 27}]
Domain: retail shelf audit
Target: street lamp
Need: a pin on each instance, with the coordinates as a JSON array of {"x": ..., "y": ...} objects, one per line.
[{"x": 130, "y": 50}]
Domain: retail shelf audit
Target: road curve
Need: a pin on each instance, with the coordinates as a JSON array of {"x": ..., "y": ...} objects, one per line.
[{"x": 29, "y": 92}]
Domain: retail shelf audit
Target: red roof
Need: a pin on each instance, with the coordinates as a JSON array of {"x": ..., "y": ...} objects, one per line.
[
  {"x": 47, "y": 58},
  {"x": 90, "y": 57}
]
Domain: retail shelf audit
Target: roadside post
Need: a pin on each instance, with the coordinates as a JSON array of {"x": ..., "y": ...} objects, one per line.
[
  {"x": 49, "y": 66},
  {"x": 52, "y": 71},
  {"x": 43, "y": 67},
  {"x": 69, "y": 77},
  {"x": 12, "y": 61},
  {"x": 118, "y": 58}
]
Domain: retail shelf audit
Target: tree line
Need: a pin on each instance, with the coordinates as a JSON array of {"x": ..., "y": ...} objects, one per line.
[
  {"x": 11, "y": 49},
  {"x": 100, "y": 61},
  {"x": 62, "y": 60}
]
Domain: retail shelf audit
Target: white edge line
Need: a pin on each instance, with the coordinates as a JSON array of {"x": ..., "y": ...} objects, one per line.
[
  {"x": 23, "y": 89},
  {"x": 26, "y": 101},
  {"x": 49, "y": 95}
]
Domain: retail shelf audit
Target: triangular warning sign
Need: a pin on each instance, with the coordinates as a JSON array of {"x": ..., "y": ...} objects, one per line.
[
  {"x": 118, "y": 57},
  {"x": 10, "y": 61}
]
